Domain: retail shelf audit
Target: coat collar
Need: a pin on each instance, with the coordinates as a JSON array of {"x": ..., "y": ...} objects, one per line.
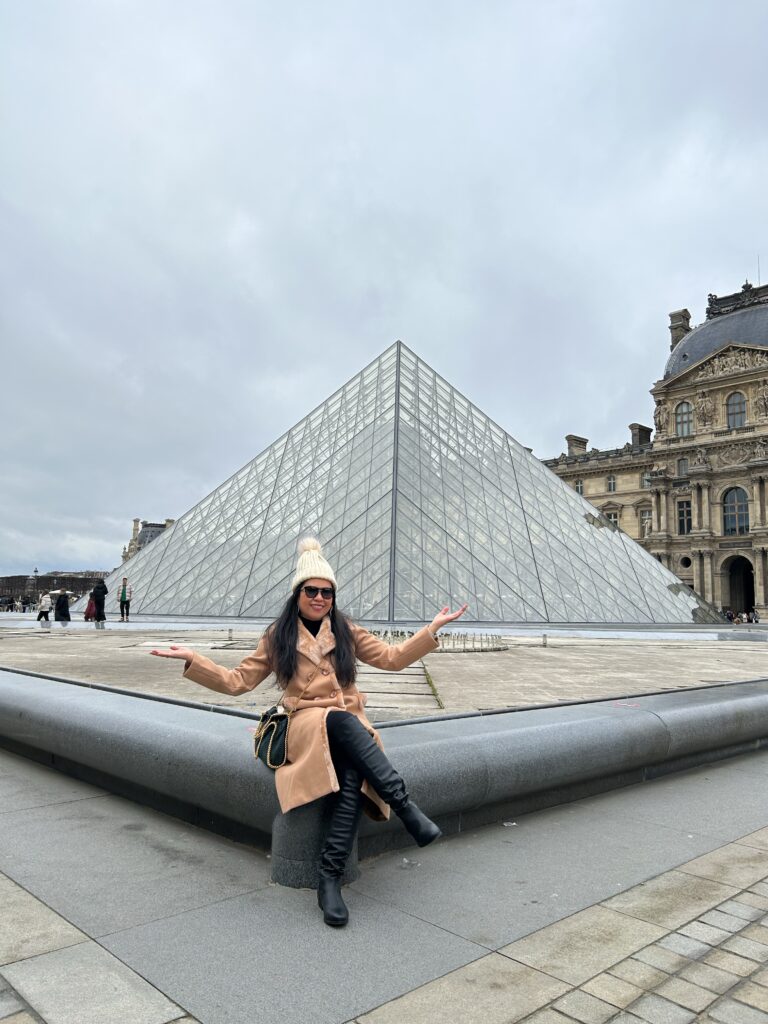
[{"x": 316, "y": 647}]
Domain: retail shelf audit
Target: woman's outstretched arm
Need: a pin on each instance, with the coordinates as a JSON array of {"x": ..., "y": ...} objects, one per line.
[
  {"x": 394, "y": 657},
  {"x": 249, "y": 673}
]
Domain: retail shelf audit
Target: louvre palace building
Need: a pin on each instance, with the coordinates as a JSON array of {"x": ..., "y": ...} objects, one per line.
[{"x": 692, "y": 490}]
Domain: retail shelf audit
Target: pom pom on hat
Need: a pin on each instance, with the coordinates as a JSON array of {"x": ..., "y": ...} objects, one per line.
[
  {"x": 311, "y": 564},
  {"x": 309, "y": 544}
]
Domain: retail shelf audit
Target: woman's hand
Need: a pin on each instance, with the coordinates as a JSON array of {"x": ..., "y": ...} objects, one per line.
[
  {"x": 444, "y": 617},
  {"x": 182, "y": 653}
]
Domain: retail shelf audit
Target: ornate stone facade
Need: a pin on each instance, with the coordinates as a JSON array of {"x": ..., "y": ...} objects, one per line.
[
  {"x": 141, "y": 536},
  {"x": 695, "y": 495}
]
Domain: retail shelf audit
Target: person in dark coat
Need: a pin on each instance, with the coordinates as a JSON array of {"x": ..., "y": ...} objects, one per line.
[
  {"x": 61, "y": 608},
  {"x": 99, "y": 595}
]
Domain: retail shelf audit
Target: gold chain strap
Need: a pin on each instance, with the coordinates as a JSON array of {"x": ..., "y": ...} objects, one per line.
[{"x": 261, "y": 731}]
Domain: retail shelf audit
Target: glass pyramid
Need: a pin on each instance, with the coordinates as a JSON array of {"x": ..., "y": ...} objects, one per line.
[{"x": 420, "y": 500}]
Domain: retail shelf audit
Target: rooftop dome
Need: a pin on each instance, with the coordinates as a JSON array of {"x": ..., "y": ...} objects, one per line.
[{"x": 747, "y": 326}]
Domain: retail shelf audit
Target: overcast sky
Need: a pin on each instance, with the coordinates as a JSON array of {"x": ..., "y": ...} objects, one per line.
[{"x": 213, "y": 214}]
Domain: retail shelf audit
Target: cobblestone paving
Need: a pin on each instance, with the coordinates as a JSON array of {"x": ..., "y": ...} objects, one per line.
[{"x": 706, "y": 963}]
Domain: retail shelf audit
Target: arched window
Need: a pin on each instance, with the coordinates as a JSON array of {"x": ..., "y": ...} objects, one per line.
[
  {"x": 611, "y": 483},
  {"x": 736, "y": 410},
  {"x": 579, "y": 486},
  {"x": 684, "y": 419},
  {"x": 735, "y": 512}
]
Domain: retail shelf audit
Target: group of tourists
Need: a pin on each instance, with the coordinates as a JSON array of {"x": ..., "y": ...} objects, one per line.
[
  {"x": 56, "y": 601},
  {"x": 59, "y": 602},
  {"x": 94, "y": 610},
  {"x": 739, "y": 617}
]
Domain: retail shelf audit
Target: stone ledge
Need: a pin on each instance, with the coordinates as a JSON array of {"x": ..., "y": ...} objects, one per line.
[{"x": 199, "y": 765}]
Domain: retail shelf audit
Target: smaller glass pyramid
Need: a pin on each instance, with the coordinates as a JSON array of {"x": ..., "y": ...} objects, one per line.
[{"x": 420, "y": 501}]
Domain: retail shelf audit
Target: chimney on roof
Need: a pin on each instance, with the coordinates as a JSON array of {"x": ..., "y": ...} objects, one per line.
[
  {"x": 679, "y": 325},
  {"x": 640, "y": 434},
  {"x": 576, "y": 445}
]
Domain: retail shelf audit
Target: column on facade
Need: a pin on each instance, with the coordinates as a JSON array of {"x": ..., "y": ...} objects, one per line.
[
  {"x": 706, "y": 509},
  {"x": 663, "y": 511},
  {"x": 697, "y": 499},
  {"x": 697, "y": 581},
  {"x": 759, "y": 557},
  {"x": 757, "y": 505},
  {"x": 709, "y": 580}
]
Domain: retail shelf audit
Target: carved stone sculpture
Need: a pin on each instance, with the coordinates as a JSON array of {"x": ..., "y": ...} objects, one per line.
[
  {"x": 761, "y": 399},
  {"x": 661, "y": 417},
  {"x": 736, "y": 360},
  {"x": 705, "y": 409}
]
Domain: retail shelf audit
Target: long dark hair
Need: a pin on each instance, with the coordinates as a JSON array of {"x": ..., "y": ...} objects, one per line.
[{"x": 283, "y": 635}]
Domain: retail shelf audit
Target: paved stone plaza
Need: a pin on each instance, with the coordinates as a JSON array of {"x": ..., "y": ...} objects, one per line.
[
  {"x": 645, "y": 905},
  {"x": 574, "y": 665}
]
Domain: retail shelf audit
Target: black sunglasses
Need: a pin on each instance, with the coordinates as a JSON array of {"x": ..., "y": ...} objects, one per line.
[{"x": 312, "y": 592}]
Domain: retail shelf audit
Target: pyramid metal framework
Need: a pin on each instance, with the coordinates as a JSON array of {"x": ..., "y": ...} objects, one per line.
[{"x": 420, "y": 501}]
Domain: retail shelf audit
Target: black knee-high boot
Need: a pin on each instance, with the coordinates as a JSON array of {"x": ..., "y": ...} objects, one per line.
[
  {"x": 337, "y": 847},
  {"x": 359, "y": 748}
]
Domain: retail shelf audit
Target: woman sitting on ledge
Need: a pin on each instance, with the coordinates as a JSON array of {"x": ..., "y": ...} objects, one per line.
[{"x": 313, "y": 649}]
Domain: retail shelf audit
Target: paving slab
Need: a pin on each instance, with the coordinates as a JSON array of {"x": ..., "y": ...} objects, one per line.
[
  {"x": 730, "y": 1011},
  {"x": 612, "y": 990},
  {"x": 29, "y": 927},
  {"x": 753, "y": 995},
  {"x": 25, "y": 784},
  {"x": 493, "y": 989},
  {"x": 164, "y": 865},
  {"x": 657, "y": 1010},
  {"x": 732, "y": 864},
  {"x": 584, "y": 944},
  {"x": 84, "y": 984},
  {"x": 672, "y": 899},
  {"x": 9, "y": 1004},
  {"x": 687, "y": 994},
  {"x": 711, "y": 978},
  {"x": 711, "y": 800},
  {"x": 256, "y": 946}
]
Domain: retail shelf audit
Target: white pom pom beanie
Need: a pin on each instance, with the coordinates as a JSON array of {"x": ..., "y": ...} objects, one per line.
[{"x": 311, "y": 564}]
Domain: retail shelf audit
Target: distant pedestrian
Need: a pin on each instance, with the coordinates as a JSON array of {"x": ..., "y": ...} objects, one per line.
[
  {"x": 729, "y": 614},
  {"x": 99, "y": 596},
  {"x": 43, "y": 610},
  {"x": 90, "y": 609},
  {"x": 754, "y": 616},
  {"x": 124, "y": 595},
  {"x": 61, "y": 609}
]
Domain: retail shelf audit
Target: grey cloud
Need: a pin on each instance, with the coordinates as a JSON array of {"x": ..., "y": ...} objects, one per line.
[{"x": 215, "y": 215}]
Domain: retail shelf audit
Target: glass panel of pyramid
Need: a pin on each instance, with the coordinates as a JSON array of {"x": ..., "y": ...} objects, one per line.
[{"x": 420, "y": 501}]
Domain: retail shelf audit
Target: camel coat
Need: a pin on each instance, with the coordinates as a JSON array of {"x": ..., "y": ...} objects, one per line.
[{"x": 309, "y": 773}]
